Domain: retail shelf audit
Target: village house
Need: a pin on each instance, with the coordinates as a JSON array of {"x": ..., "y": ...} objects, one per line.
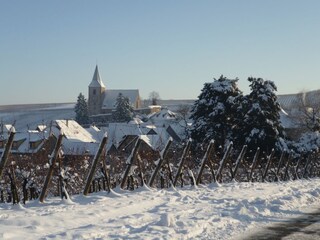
[
  {"x": 294, "y": 106},
  {"x": 25, "y": 142}
]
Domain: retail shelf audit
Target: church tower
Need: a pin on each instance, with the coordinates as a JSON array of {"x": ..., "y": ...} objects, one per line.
[{"x": 96, "y": 93}]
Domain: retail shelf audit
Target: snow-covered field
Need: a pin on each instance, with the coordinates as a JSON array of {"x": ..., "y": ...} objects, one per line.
[
  {"x": 226, "y": 211},
  {"x": 30, "y": 118}
]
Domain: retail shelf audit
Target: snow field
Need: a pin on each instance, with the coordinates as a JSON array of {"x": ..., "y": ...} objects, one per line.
[{"x": 216, "y": 211}]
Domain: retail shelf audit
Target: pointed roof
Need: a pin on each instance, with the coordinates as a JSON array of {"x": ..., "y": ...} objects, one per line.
[{"x": 96, "y": 80}]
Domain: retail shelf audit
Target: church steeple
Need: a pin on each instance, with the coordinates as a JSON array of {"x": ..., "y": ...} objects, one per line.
[
  {"x": 96, "y": 93},
  {"x": 96, "y": 80}
]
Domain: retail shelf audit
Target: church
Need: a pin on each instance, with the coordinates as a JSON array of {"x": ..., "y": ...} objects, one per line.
[{"x": 101, "y": 101}]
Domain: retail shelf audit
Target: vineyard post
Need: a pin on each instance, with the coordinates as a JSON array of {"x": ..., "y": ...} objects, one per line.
[
  {"x": 297, "y": 168},
  {"x": 305, "y": 169},
  {"x": 5, "y": 154},
  {"x": 183, "y": 157},
  {"x": 283, "y": 153},
  {"x": 270, "y": 158},
  {"x": 52, "y": 162},
  {"x": 287, "y": 167},
  {"x": 254, "y": 163},
  {"x": 106, "y": 174},
  {"x": 139, "y": 160},
  {"x": 94, "y": 165},
  {"x": 163, "y": 155},
  {"x": 239, "y": 161},
  {"x": 130, "y": 161},
  {"x": 204, "y": 160},
  {"x": 224, "y": 161}
]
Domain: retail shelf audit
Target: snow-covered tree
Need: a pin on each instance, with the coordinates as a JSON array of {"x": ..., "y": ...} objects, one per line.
[
  {"x": 258, "y": 123},
  {"x": 213, "y": 112},
  {"x": 124, "y": 110},
  {"x": 81, "y": 110}
]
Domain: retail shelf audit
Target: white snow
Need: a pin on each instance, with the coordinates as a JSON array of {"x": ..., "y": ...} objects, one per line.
[{"x": 216, "y": 211}]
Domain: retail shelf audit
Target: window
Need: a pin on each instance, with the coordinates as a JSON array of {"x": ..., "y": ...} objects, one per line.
[
  {"x": 34, "y": 145},
  {"x": 94, "y": 92}
]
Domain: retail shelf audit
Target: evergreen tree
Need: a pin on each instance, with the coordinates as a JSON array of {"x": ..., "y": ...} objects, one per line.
[
  {"x": 81, "y": 110},
  {"x": 213, "y": 112},
  {"x": 258, "y": 121},
  {"x": 124, "y": 110}
]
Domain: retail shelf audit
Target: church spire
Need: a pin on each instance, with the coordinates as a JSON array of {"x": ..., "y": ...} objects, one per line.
[{"x": 96, "y": 80}]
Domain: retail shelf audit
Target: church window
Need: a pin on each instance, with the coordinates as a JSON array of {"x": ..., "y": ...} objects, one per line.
[{"x": 94, "y": 92}]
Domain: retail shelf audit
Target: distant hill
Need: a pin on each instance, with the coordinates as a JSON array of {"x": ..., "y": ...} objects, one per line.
[{"x": 18, "y": 107}]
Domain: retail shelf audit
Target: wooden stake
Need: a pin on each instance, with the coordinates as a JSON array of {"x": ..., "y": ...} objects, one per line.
[
  {"x": 254, "y": 163},
  {"x": 270, "y": 157},
  {"x": 239, "y": 161},
  {"x": 183, "y": 157},
  {"x": 163, "y": 155},
  {"x": 224, "y": 161},
  {"x": 287, "y": 167},
  {"x": 305, "y": 170},
  {"x": 130, "y": 162},
  {"x": 94, "y": 165},
  {"x": 280, "y": 164},
  {"x": 6, "y": 152},
  {"x": 51, "y": 167},
  {"x": 205, "y": 160}
]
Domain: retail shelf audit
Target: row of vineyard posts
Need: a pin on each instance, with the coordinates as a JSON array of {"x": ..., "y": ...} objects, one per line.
[{"x": 169, "y": 170}]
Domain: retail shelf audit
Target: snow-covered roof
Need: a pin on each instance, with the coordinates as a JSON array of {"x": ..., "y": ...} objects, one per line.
[
  {"x": 77, "y": 140},
  {"x": 163, "y": 115},
  {"x": 136, "y": 121},
  {"x": 25, "y": 140},
  {"x": 177, "y": 130},
  {"x": 288, "y": 101},
  {"x": 7, "y": 127},
  {"x": 95, "y": 132},
  {"x": 96, "y": 80},
  {"x": 110, "y": 97},
  {"x": 156, "y": 142},
  {"x": 285, "y": 120},
  {"x": 73, "y": 131},
  {"x": 116, "y": 132},
  {"x": 41, "y": 127}
]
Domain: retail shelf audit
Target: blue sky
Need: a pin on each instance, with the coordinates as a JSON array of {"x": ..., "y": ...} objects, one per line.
[{"x": 49, "y": 49}]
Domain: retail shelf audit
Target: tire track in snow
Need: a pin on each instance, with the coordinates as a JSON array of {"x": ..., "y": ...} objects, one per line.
[{"x": 290, "y": 228}]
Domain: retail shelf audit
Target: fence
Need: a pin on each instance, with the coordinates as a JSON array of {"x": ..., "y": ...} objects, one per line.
[{"x": 176, "y": 165}]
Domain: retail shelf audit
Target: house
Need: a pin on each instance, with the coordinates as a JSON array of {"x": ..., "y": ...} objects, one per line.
[
  {"x": 101, "y": 101},
  {"x": 294, "y": 107},
  {"x": 290, "y": 102},
  {"x": 77, "y": 140},
  {"x": 24, "y": 142}
]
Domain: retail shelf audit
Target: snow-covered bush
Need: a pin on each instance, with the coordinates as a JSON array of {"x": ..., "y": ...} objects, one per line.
[{"x": 308, "y": 142}]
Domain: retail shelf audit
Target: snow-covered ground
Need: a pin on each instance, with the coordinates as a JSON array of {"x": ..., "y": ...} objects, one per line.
[{"x": 226, "y": 211}]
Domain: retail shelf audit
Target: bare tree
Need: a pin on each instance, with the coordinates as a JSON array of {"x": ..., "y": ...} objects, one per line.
[
  {"x": 154, "y": 97},
  {"x": 184, "y": 113},
  {"x": 307, "y": 116}
]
